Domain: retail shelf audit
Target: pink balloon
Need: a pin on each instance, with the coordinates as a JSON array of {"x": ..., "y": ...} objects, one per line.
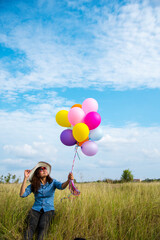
[
  {"x": 92, "y": 120},
  {"x": 89, "y": 148},
  {"x": 76, "y": 115},
  {"x": 90, "y": 105}
]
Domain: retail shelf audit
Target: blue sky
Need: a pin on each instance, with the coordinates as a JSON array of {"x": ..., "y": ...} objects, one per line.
[{"x": 57, "y": 53}]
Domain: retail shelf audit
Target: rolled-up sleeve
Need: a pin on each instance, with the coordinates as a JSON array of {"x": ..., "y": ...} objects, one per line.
[
  {"x": 57, "y": 184},
  {"x": 27, "y": 191}
]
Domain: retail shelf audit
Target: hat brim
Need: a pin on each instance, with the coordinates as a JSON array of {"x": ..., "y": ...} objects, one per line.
[{"x": 40, "y": 164}]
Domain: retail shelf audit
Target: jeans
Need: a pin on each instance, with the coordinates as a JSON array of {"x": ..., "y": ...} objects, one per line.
[{"x": 40, "y": 221}]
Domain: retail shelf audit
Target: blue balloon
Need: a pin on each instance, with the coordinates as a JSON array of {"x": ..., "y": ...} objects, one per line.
[{"x": 96, "y": 134}]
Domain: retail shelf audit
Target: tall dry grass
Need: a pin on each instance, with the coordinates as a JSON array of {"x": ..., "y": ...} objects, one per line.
[{"x": 102, "y": 212}]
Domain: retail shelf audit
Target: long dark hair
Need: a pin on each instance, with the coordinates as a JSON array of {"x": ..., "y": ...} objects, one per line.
[{"x": 36, "y": 183}]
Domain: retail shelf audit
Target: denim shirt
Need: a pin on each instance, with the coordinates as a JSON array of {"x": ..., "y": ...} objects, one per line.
[{"x": 44, "y": 197}]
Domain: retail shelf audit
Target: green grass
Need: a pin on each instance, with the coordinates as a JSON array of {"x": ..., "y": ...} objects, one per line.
[{"x": 102, "y": 211}]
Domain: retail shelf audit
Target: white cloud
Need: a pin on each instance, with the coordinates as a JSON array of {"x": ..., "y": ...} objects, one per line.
[
  {"x": 27, "y": 138},
  {"x": 152, "y": 153},
  {"x": 119, "y": 49},
  {"x": 36, "y": 150},
  {"x": 109, "y": 139},
  {"x": 25, "y": 150},
  {"x": 130, "y": 146},
  {"x": 14, "y": 162}
]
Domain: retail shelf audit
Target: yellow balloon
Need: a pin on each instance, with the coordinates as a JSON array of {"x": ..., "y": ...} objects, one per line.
[
  {"x": 80, "y": 132},
  {"x": 62, "y": 118}
]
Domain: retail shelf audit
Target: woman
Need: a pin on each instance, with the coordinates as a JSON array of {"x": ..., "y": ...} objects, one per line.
[{"x": 43, "y": 187}]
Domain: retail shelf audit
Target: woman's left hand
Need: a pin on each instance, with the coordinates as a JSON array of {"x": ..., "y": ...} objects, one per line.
[{"x": 70, "y": 176}]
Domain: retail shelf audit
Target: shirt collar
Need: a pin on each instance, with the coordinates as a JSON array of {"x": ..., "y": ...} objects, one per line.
[{"x": 45, "y": 184}]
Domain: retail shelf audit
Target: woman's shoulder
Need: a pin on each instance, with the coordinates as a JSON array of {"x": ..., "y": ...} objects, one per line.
[
  {"x": 55, "y": 181},
  {"x": 29, "y": 185}
]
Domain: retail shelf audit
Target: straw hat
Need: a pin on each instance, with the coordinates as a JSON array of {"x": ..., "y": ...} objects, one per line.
[{"x": 40, "y": 164}]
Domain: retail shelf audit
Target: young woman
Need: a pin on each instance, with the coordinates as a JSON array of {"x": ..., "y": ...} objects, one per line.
[{"x": 43, "y": 188}]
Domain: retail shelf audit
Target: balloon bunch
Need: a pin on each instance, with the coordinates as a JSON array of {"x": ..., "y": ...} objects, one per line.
[{"x": 82, "y": 123}]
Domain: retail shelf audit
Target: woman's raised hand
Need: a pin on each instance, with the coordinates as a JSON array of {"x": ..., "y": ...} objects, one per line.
[{"x": 27, "y": 173}]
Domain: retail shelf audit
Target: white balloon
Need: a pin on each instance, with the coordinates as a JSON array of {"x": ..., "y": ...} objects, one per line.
[{"x": 96, "y": 134}]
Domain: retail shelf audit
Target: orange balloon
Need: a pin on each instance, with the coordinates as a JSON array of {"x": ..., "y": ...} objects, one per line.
[
  {"x": 80, "y": 143},
  {"x": 77, "y": 105}
]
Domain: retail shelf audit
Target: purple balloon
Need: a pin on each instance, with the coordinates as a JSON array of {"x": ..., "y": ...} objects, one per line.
[
  {"x": 89, "y": 148},
  {"x": 92, "y": 120},
  {"x": 67, "y": 138}
]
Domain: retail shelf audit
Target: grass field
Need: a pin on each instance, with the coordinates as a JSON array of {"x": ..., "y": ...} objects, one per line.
[{"x": 102, "y": 212}]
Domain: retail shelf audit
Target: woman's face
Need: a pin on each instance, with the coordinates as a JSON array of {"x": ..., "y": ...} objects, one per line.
[{"x": 43, "y": 172}]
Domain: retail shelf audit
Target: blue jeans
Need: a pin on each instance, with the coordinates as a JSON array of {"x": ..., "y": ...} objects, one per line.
[{"x": 40, "y": 221}]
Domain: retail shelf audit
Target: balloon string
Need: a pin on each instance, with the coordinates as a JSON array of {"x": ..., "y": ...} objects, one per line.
[
  {"x": 72, "y": 187},
  {"x": 76, "y": 154},
  {"x": 74, "y": 191}
]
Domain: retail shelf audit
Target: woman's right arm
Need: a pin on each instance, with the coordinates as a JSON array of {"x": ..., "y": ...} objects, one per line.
[{"x": 23, "y": 187}]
